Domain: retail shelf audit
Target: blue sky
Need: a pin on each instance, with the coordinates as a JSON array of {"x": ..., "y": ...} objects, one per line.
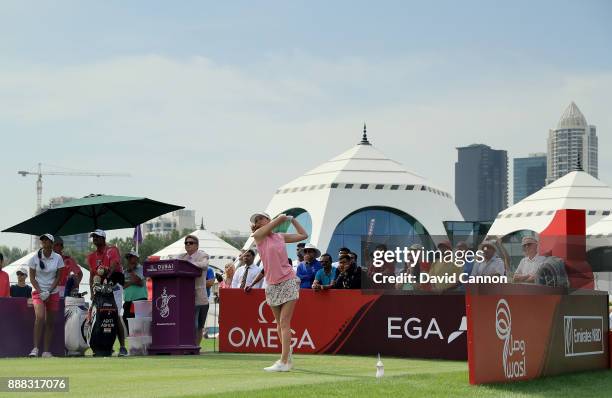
[{"x": 214, "y": 106}]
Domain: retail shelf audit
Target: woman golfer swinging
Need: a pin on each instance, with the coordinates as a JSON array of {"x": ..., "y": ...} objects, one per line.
[{"x": 283, "y": 287}]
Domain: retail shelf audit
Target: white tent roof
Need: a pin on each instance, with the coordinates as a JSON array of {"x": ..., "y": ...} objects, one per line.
[
  {"x": 575, "y": 190},
  {"x": 220, "y": 251},
  {"x": 362, "y": 164},
  {"x": 600, "y": 233}
]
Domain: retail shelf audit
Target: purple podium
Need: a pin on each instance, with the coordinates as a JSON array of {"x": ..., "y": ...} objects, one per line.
[{"x": 173, "y": 301}]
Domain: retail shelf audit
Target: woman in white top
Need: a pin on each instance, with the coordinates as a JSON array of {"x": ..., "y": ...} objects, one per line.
[{"x": 44, "y": 274}]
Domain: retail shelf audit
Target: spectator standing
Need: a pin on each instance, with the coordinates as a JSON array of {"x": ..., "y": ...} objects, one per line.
[
  {"x": 444, "y": 268},
  {"x": 246, "y": 274},
  {"x": 71, "y": 268},
  {"x": 492, "y": 265},
  {"x": 307, "y": 270},
  {"x": 199, "y": 258},
  {"x": 5, "y": 288},
  {"x": 21, "y": 289},
  {"x": 342, "y": 251},
  {"x": 135, "y": 288},
  {"x": 228, "y": 277},
  {"x": 299, "y": 252},
  {"x": 45, "y": 268},
  {"x": 350, "y": 277},
  {"x": 326, "y": 276},
  {"x": 461, "y": 248},
  {"x": 530, "y": 264}
]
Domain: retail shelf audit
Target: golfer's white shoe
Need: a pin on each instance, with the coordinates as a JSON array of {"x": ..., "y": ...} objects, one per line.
[
  {"x": 47, "y": 354},
  {"x": 278, "y": 367},
  {"x": 33, "y": 353}
]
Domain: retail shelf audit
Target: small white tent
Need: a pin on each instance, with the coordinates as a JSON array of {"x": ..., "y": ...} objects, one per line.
[{"x": 220, "y": 251}]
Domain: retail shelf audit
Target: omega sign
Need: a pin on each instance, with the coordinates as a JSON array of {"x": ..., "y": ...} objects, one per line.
[
  {"x": 266, "y": 335},
  {"x": 514, "y": 360}
]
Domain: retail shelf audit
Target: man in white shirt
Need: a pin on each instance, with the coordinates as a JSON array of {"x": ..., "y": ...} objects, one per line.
[
  {"x": 199, "y": 258},
  {"x": 246, "y": 274},
  {"x": 530, "y": 264},
  {"x": 492, "y": 264}
]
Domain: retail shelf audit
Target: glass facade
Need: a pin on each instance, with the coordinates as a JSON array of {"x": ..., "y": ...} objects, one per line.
[
  {"x": 376, "y": 225},
  {"x": 304, "y": 219},
  {"x": 529, "y": 175}
]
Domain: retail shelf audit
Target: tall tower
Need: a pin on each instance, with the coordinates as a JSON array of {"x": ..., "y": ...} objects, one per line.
[
  {"x": 572, "y": 145},
  {"x": 481, "y": 182}
]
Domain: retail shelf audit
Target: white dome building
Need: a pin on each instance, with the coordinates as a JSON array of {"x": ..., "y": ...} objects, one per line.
[
  {"x": 362, "y": 192},
  {"x": 575, "y": 190}
]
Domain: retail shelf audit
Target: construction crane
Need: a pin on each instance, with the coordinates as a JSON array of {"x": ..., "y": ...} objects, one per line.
[{"x": 40, "y": 173}]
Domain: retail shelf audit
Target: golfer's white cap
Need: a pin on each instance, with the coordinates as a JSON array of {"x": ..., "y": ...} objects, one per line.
[
  {"x": 98, "y": 232},
  {"x": 254, "y": 216},
  {"x": 48, "y": 236}
]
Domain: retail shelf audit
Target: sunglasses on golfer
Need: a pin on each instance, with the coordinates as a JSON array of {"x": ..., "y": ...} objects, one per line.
[{"x": 189, "y": 243}]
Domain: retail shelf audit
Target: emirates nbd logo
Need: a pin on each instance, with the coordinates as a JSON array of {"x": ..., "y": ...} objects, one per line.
[{"x": 583, "y": 335}]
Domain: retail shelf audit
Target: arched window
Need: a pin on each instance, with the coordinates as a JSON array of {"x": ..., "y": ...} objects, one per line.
[
  {"x": 376, "y": 225},
  {"x": 304, "y": 219}
]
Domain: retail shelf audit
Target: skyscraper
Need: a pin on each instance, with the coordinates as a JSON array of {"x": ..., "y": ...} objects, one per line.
[
  {"x": 529, "y": 175},
  {"x": 572, "y": 145},
  {"x": 481, "y": 182}
]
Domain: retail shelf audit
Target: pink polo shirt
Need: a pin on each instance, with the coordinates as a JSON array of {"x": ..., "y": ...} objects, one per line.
[{"x": 273, "y": 253}]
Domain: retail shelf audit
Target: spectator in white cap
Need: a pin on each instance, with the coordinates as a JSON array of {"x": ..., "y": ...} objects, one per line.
[
  {"x": 307, "y": 270},
  {"x": 492, "y": 264},
  {"x": 21, "y": 289},
  {"x": 45, "y": 268},
  {"x": 530, "y": 264},
  {"x": 135, "y": 288},
  {"x": 105, "y": 262}
]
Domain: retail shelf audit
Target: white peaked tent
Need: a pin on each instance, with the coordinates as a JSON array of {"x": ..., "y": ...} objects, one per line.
[
  {"x": 220, "y": 251},
  {"x": 12, "y": 268},
  {"x": 575, "y": 190},
  {"x": 359, "y": 178}
]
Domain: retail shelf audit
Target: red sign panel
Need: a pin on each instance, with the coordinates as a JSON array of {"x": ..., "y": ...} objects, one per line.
[
  {"x": 514, "y": 335},
  {"x": 349, "y": 322}
]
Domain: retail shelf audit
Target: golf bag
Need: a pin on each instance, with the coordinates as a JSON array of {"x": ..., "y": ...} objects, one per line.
[
  {"x": 75, "y": 319},
  {"x": 104, "y": 320}
]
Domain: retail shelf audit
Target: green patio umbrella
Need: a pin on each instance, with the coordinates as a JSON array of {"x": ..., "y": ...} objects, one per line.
[{"x": 93, "y": 212}]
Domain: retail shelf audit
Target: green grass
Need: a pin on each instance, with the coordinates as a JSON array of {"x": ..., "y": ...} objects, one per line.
[{"x": 241, "y": 375}]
